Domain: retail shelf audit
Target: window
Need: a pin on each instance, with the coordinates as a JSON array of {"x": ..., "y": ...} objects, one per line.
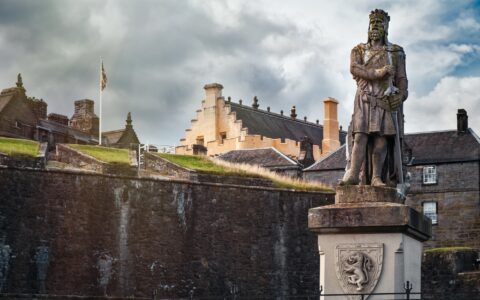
[
  {"x": 429, "y": 175},
  {"x": 223, "y": 136},
  {"x": 430, "y": 210}
]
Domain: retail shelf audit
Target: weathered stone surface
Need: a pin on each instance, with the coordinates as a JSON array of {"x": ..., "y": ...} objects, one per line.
[
  {"x": 365, "y": 193},
  {"x": 450, "y": 275},
  {"x": 69, "y": 233},
  {"x": 369, "y": 217}
]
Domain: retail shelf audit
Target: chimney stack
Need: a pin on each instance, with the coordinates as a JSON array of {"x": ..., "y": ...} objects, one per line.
[
  {"x": 330, "y": 126},
  {"x": 462, "y": 121},
  {"x": 293, "y": 112},
  {"x": 213, "y": 91},
  {"x": 255, "y": 102}
]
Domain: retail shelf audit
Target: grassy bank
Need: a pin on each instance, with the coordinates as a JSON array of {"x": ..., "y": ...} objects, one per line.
[
  {"x": 448, "y": 249},
  {"x": 108, "y": 155},
  {"x": 220, "y": 167},
  {"x": 203, "y": 164},
  {"x": 19, "y": 147}
]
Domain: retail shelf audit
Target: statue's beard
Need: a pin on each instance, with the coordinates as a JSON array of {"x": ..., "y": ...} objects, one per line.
[{"x": 375, "y": 34}]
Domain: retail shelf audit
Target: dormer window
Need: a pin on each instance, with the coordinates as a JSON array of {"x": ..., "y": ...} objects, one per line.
[{"x": 430, "y": 175}]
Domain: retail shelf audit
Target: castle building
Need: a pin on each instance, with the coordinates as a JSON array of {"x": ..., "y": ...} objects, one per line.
[
  {"x": 222, "y": 125},
  {"x": 445, "y": 180},
  {"x": 26, "y": 117},
  {"x": 122, "y": 138}
]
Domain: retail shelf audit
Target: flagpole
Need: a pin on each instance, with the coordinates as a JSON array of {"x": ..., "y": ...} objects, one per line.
[{"x": 100, "y": 118}]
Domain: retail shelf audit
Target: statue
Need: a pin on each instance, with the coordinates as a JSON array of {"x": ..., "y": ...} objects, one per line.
[{"x": 376, "y": 130}]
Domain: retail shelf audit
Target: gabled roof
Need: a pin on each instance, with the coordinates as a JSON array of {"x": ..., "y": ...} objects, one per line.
[
  {"x": 427, "y": 148},
  {"x": 335, "y": 160},
  {"x": 443, "y": 146},
  {"x": 265, "y": 157},
  {"x": 66, "y": 130},
  {"x": 274, "y": 125},
  {"x": 5, "y": 96},
  {"x": 112, "y": 137}
]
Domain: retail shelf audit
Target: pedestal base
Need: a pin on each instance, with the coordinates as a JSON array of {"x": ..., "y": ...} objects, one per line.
[
  {"x": 401, "y": 262},
  {"x": 369, "y": 242}
]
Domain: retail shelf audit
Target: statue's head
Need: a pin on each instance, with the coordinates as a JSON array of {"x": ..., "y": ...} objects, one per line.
[{"x": 378, "y": 27}]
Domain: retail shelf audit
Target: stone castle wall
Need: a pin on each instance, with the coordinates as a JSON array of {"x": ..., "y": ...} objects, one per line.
[{"x": 68, "y": 233}]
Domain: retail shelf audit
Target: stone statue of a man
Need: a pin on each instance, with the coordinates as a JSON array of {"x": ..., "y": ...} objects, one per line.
[{"x": 378, "y": 67}]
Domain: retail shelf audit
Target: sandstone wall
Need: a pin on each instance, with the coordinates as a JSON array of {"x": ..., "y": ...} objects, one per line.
[{"x": 68, "y": 233}]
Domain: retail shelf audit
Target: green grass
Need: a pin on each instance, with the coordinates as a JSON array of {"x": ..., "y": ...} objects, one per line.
[
  {"x": 447, "y": 249},
  {"x": 203, "y": 164},
  {"x": 219, "y": 167},
  {"x": 19, "y": 147},
  {"x": 108, "y": 155}
]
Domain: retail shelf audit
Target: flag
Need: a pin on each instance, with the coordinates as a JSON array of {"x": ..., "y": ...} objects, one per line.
[{"x": 103, "y": 82}]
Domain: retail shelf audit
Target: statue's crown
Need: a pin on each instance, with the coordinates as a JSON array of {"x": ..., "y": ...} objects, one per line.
[{"x": 379, "y": 13}]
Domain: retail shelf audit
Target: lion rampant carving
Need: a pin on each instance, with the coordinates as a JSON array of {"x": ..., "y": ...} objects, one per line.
[{"x": 358, "y": 265}]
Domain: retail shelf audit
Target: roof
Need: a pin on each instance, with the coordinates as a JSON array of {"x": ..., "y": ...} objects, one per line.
[
  {"x": 265, "y": 157},
  {"x": 5, "y": 96},
  {"x": 53, "y": 126},
  {"x": 274, "y": 125},
  {"x": 335, "y": 160},
  {"x": 443, "y": 146},
  {"x": 427, "y": 148},
  {"x": 112, "y": 137}
]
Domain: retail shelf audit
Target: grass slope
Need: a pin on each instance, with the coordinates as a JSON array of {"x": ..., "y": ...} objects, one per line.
[
  {"x": 19, "y": 147},
  {"x": 448, "y": 249},
  {"x": 219, "y": 167},
  {"x": 203, "y": 164},
  {"x": 108, "y": 155}
]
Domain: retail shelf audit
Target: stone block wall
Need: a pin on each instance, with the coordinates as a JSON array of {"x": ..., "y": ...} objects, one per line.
[
  {"x": 68, "y": 233},
  {"x": 450, "y": 274}
]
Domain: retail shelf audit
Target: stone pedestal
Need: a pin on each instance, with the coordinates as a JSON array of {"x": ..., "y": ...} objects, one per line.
[{"x": 369, "y": 242}]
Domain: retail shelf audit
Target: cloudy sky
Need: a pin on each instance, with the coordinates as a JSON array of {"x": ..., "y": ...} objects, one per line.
[{"x": 159, "y": 54}]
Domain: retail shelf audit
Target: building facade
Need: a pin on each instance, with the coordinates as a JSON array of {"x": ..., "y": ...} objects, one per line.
[{"x": 222, "y": 125}]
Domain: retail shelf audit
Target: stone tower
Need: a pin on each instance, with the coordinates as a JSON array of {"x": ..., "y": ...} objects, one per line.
[{"x": 84, "y": 118}]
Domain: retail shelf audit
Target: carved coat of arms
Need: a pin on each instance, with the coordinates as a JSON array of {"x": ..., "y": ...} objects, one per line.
[{"x": 358, "y": 267}]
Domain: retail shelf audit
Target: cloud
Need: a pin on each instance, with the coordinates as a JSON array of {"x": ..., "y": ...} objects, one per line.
[
  {"x": 437, "y": 110},
  {"x": 159, "y": 54}
]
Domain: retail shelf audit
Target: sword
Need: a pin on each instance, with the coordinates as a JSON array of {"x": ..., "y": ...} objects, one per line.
[{"x": 391, "y": 90}]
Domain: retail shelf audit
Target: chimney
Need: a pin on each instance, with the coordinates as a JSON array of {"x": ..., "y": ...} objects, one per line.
[
  {"x": 281, "y": 112},
  {"x": 268, "y": 108},
  {"x": 293, "y": 113},
  {"x": 212, "y": 92},
  {"x": 255, "y": 103},
  {"x": 330, "y": 126},
  {"x": 462, "y": 121},
  {"x": 305, "y": 156}
]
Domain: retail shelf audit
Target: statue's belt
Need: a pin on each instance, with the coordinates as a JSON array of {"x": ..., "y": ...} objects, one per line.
[{"x": 375, "y": 101}]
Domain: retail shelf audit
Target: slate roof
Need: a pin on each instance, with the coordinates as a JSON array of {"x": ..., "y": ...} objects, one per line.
[
  {"x": 66, "y": 130},
  {"x": 265, "y": 157},
  {"x": 427, "y": 148},
  {"x": 443, "y": 146},
  {"x": 274, "y": 125},
  {"x": 5, "y": 96},
  {"x": 112, "y": 137}
]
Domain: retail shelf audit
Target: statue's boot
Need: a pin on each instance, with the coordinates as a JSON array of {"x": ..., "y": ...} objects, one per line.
[
  {"x": 378, "y": 159},
  {"x": 377, "y": 181},
  {"x": 351, "y": 177}
]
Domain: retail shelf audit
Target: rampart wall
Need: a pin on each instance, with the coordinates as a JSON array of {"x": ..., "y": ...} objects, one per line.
[{"x": 67, "y": 233}]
